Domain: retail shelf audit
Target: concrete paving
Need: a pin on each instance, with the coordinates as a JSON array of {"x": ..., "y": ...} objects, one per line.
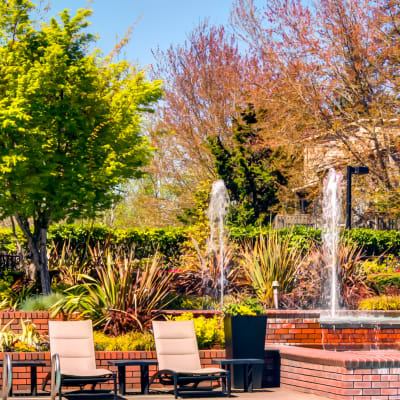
[{"x": 257, "y": 394}]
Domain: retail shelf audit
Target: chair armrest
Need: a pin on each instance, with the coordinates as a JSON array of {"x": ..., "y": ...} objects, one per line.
[
  {"x": 55, "y": 376},
  {"x": 7, "y": 376}
]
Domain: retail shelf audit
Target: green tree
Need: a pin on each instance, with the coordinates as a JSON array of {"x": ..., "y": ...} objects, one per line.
[
  {"x": 248, "y": 171},
  {"x": 70, "y": 123}
]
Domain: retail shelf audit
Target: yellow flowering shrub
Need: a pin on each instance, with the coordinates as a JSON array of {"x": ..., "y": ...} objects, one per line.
[{"x": 209, "y": 331}]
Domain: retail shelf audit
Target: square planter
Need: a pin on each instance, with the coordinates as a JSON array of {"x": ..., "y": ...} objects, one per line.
[{"x": 245, "y": 338}]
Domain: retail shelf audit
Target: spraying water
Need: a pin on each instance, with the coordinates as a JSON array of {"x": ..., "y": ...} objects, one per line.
[
  {"x": 332, "y": 214},
  {"x": 217, "y": 211}
]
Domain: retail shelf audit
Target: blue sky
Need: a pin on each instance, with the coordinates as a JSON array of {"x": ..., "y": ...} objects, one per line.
[{"x": 162, "y": 22}]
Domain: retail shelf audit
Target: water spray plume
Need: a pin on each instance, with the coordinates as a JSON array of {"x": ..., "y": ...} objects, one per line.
[
  {"x": 332, "y": 214},
  {"x": 217, "y": 211}
]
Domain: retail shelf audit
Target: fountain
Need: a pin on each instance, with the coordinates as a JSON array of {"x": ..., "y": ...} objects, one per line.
[
  {"x": 332, "y": 214},
  {"x": 217, "y": 211},
  {"x": 341, "y": 354}
]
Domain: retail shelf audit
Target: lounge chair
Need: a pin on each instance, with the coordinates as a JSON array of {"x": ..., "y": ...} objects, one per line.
[
  {"x": 73, "y": 361},
  {"x": 179, "y": 360}
]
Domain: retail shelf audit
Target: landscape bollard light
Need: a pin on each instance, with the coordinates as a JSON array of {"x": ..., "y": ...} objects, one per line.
[{"x": 275, "y": 286}]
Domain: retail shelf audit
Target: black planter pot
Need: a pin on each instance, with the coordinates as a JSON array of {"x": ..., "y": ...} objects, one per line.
[{"x": 245, "y": 338}]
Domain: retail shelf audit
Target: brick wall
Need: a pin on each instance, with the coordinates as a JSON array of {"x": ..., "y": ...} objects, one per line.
[
  {"x": 351, "y": 375},
  {"x": 286, "y": 327},
  {"x": 294, "y": 327},
  {"x": 39, "y": 318}
]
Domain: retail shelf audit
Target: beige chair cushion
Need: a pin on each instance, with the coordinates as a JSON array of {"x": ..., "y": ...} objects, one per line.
[
  {"x": 73, "y": 342},
  {"x": 176, "y": 347}
]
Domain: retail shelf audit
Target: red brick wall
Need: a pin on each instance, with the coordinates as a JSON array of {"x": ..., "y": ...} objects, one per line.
[
  {"x": 39, "y": 318},
  {"x": 293, "y": 327},
  {"x": 341, "y": 383},
  {"x": 287, "y": 327}
]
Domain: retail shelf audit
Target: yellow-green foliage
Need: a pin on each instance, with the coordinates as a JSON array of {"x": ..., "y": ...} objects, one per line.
[
  {"x": 130, "y": 341},
  {"x": 28, "y": 340},
  {"x": 209, "y": 331},
  {"x": 380, "y": 303},
  {"x": 385, "y": 265}
]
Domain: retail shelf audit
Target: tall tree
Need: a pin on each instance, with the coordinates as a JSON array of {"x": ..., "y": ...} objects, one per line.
[
  {"x": 69, "y": 123},
  {"x": 248, "y": 171},
  {"x": 205, "y": 78},
  {"x": 331, "y": 74}
]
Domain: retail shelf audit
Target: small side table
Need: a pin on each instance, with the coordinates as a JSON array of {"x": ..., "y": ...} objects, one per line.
[
  {"x": 144, "y": 373},
  {"x": 247, "y": 368},
  {"x": 33, "y": 368}
]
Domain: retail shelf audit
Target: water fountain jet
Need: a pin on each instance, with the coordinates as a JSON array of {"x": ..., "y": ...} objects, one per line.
[
  {"x": 217, "y": 211},
  {"x": 332, "y": 214}
]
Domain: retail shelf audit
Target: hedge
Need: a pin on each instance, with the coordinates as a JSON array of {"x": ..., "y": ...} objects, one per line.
[
  {"x": 168, "y": 241},
  {"x": 145, "y": 242}
]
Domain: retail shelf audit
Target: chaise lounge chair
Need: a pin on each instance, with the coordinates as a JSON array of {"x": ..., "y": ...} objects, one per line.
[
  {"x": 73, "y": 361},
  {"x": 179, "y": 360}
]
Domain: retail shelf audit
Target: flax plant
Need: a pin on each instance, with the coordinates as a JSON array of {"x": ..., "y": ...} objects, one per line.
[
  {"x": 119, "y": 295},
  {"x": 271, "y": 258}
]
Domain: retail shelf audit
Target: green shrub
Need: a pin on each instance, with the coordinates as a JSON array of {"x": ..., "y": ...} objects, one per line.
[
  {"x": 381, "y": 282},
  {"x": 209, "y": 331},
  {"x": 168, "y": 242},
  {"x": 185, "y": 302},
  {"x": 146, "y": 242},
  {"x": 380, "y": 303},
  {"x": 376, "y": 242},
  {"x": 41, "y": 302},
  {"x": 130, "y": 341},
  {"x": 248, "y": 306},
  {"x": 382, "y": 265}
]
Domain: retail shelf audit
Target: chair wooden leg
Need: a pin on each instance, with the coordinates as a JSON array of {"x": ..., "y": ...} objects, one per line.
[{"x": 228, "y": 383}]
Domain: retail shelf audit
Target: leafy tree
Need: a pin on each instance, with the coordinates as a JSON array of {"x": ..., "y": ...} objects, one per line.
[
  {"x": 205, "y": 78},
  {"x": 69, "y": 123},
  {"x": 331, "y": 76},
  {"x": 248, "y": 171}
]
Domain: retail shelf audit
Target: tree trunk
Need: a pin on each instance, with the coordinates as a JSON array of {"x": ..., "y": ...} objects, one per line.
[{"x": 37, "y": 245}]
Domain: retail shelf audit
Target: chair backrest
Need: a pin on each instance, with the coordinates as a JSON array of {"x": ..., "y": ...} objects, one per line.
[
  {"x": 73, "y": 342},
  {"x": 176, "y": 345}
]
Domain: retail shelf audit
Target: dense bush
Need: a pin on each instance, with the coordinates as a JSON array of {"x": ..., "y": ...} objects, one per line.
[
  {"x": 376, "y": 242},
  {"x": 380, "y": 303},
  {"x": 146, "y": 242},
  {"x": 381, "y": 283},
  {"x": 209, "y": 331},
  {"x": 168, "y": 241},
  {"x": 130, "y": 341},
  {"x": 248, "y": 306}
]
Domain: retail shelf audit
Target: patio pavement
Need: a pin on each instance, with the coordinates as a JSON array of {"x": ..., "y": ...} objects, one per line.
[{"x": 258, "y": 394}]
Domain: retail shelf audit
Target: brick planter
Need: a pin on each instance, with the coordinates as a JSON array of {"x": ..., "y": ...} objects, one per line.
[{"x": 346, "y": 375}]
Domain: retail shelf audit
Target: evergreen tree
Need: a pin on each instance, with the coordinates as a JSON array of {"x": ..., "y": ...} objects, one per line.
[{"x": 248, "y": 171}]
